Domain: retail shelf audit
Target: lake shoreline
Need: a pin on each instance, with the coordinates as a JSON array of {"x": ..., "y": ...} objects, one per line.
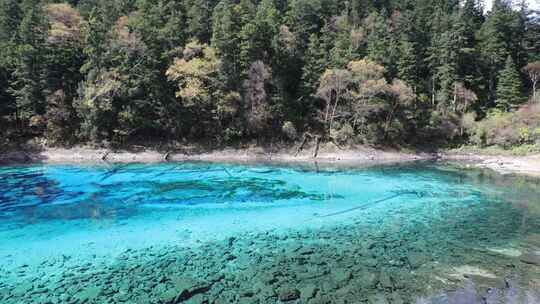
[
  {"x": 361, "y": 156},
  {"x": 503, "y": 164},
  {"x": 82, "y": 155}
]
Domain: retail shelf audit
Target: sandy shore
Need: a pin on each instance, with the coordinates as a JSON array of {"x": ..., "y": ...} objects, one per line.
[
  {"x": 525, "y": 165},
  {"x": 359, "y": 156}
]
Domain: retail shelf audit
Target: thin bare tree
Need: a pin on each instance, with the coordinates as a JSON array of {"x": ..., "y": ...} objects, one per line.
[{"x": 533, "y": 70}]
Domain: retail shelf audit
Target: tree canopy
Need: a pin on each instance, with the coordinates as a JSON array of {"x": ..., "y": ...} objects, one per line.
[{"x": 227, "y": 71}]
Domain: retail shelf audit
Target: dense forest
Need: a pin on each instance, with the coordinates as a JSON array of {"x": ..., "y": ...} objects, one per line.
[{"x": 385, "y": 72}]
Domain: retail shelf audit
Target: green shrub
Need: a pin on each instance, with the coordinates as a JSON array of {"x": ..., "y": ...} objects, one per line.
[
  {"x": 344, "y": 134},
  {"x": 289, "y": 130},
  {"x": 507, "y": 129}
]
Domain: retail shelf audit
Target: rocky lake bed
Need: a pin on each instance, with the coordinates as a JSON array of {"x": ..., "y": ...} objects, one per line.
[
  {"x": 413, "y": 234},
  {"x": 341, "y": 264}
]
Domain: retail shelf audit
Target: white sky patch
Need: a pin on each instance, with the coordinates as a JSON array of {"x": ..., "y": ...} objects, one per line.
[{"x": 533, "y": 4}]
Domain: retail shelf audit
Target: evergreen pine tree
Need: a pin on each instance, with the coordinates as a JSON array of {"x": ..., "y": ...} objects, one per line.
[
  {"x": 377, "y": 38},
  {"x": 28, "y": 83},
  {"x": 10, "y": 17},
  {"x": 473, "y": 15},
  {"x": 407, "y": 63},
  {"x": 257, "y": 36},
  {"x": 226, "y": 40},
  {"x": 305, "y": 17},
  {"x": 446, "y": 55},
  {"x": 496, "y": 41},
  {"x": 199, "y": 18},
  {"x": 95, "y": 40},
  {"x": 509, "y": 87},
  {"x": 162, "y": 27},
  {"x": 470, "y": 20},
  {"x": 315, "y": 65}
]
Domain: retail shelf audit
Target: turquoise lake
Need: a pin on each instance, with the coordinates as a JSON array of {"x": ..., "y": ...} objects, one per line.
[{"x": 267, "y": 233}]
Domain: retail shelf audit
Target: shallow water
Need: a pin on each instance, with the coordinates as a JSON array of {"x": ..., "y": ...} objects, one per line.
[{"x": 216, "y": 233}]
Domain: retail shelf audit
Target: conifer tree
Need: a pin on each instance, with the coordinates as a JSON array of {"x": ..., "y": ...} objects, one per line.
[
  {"x": 407, "y": 63},
  {"x": 161, "y": 25},
  {"x": 471, "y": 18},
  {"x": 28, "y": 84},
  {"x": 305, "y": 18},
  {"x": 199, "y": 18},
  {"x": 10, "y": 17},
  {"x": 509, "y": 87},
  {"x": 226, "y": 40},
  {"x": 95, "y": 40},
  {"x": 257, "y": 36},
  {"x": 315, "y": 65},
  {"x": 377, "y": 38},
  {"x": 497, "y": 41},
  {"x": 446, "y": 55}
]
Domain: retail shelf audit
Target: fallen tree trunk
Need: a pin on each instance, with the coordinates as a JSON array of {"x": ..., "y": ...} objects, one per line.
[
  {"x": 307, "y": 136},
  {"x": 301, "y": 147},
  {"x": 105, "y": 155},
  {"x": 167, "y": 156}
]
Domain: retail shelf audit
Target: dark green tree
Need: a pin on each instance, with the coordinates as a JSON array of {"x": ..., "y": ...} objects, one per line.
[
  {"x": 257, "y": 35},
  {"x": 496, "y": 41},
  {"x": 509, "y": 87},
  {"x": 407, "y": 65},
  {"x": 315, "y": 64},
  {"x": 161, "y": 26},
  {"x": 199, "y": 18},
  {"x": 226, "y": 39},
  {"x": 10, "y": 17},
  {"x": 28, "y": 83}
]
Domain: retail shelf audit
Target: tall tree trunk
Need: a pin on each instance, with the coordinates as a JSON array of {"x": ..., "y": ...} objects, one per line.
[
  {"x": 389, "y": 120},
  {"x": 433, "y": 91},
  {"x": 333, "y": 114},
  {"x": 317, "y": 145},
  {"x": 326, "y": 114},
  {"x": 534, "y": 90},
  {"x": 454, "y": 101}
]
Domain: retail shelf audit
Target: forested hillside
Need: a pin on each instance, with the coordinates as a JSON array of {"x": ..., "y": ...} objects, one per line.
[{"x": 390, "y": 72}]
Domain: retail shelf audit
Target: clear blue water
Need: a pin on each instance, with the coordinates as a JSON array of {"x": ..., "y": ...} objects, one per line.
[{"x": 224, "y": 233}]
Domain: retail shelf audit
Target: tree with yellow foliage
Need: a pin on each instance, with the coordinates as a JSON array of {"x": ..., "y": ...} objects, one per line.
[{"x": 196, "y": 74}]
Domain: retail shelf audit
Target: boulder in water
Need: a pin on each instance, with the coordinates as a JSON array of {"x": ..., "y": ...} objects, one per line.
[
  {"x": 286, "y": 294},
  {"x": 532, "y": 258}
]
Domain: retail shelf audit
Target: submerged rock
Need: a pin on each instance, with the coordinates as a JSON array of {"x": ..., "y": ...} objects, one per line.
[
  {"x": 368, "y": 280},
  {"x": 377, "y": 299},
  {"x": 342, "y": 276},
  {"x": 288, "y": 294},
  {"x": 22, "y": 289},
  {"x": 532, "y": 258},
  {"x": 308, "y": 292},
  {"x": 188, "y": 288},
  {"x": 88, "y": 294},
  {"x": 416, "y": 259},
  {"x": 386, "y": 280},
  {"x": 370, "y": 262}
]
